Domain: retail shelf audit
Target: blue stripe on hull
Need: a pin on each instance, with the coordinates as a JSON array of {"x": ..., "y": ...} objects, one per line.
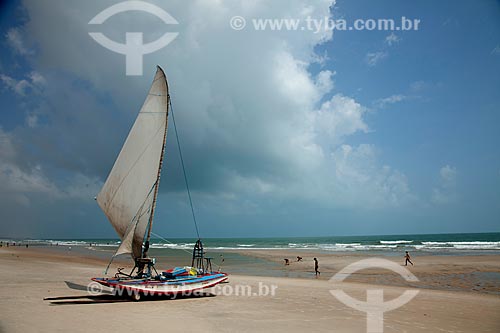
[{"x": 178, "y": 281}]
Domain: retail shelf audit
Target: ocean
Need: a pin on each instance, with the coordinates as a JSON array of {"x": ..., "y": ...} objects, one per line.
[
  {"x": 233, "y": 255},
  {"x": 431, "y": 243}
]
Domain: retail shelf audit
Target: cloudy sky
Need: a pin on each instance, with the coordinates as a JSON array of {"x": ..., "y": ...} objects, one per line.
[{"x": 284, "y": 133}]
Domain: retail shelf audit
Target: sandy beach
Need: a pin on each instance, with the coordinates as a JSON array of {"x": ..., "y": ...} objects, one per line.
[
  {"x": 298, "y": 304},
  {"x": 476, "y": 273}
]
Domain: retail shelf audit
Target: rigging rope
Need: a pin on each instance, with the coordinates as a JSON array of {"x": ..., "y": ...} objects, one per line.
[
  {"x": 166, "y": 240},
  {"x": 184, "y": 170}
]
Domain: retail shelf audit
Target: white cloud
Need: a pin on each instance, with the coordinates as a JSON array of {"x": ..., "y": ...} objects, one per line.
[
  {"x": 321, "y": 59},
  {"x": 324, "y": 81},
  {"x": 294, "y": 81},
  {"x": 21, "y": 87},
  {"x": 445, "y": 192},
  {"x": 338, "y": 118},
  {"x": 496, "y": 50},
  {"x": 363, "y": 182},
  {"x": 37, "y": 79},
  {"x": 448, "y": 174},
  {"x": 373, "y": 58},
  {"x": 383, "y": 102},
  {"x": 392, "y": 39},
  {"x": 28, "y": 90},
  {"x": 16, "y": 41}
]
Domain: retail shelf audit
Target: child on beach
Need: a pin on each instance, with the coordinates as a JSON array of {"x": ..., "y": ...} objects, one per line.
[{"x": 407, "y": 259}]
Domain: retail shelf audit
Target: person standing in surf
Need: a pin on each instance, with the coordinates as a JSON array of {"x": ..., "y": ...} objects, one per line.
[
  {"x": 407, "y": 259},
  {"x": 316, "y": 267}
]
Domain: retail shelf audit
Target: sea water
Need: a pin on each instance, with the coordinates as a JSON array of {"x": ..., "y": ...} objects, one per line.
[
  {"x": 178, "y": 251},
  {"x": 432, "y": 243}
]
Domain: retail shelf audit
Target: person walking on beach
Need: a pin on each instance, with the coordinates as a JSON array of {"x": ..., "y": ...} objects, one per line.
[
  {"x": 407, "y": 259},
  {"x": 316, "y": 267}
]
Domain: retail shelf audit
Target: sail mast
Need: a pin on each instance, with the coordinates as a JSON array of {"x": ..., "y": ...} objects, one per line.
[{"x": 157, "y": 186}]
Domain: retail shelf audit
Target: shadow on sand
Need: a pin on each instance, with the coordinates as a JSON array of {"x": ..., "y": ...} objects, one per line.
[{"x": 110, "y": 298}]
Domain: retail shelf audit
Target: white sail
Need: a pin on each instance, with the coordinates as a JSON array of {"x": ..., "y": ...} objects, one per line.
[{"x": 128, "y": 195}]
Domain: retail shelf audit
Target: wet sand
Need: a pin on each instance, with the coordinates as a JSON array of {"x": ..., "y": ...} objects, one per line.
[
  {"x": 299, "y": 304},
  {"x": 474, "y": 273}
]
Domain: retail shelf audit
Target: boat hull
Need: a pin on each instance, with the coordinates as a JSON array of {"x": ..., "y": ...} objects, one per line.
[{"x": 185, "y": 286}]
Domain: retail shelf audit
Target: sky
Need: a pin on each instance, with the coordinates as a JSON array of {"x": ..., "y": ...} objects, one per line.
[{"x": 284, "y": 132}]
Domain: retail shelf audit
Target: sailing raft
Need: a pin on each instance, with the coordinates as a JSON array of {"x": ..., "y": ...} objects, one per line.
[{"x": 128, "y": 198}]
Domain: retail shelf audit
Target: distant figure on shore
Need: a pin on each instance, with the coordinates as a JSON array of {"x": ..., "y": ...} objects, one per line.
[
  {"x": 407, "y": 259},
  {"x": 316, "y": 267},
  {"x": 299, "y": 258},
  {"x": 287, "y": 262},
  {"x": 221, "y": 262}
]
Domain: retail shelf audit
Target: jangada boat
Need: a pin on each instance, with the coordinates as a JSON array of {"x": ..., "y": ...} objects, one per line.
[{"x": 128, "y": 198}]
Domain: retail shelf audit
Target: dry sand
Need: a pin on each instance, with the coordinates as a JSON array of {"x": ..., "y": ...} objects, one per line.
[{"x": 30, "y": 275}]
